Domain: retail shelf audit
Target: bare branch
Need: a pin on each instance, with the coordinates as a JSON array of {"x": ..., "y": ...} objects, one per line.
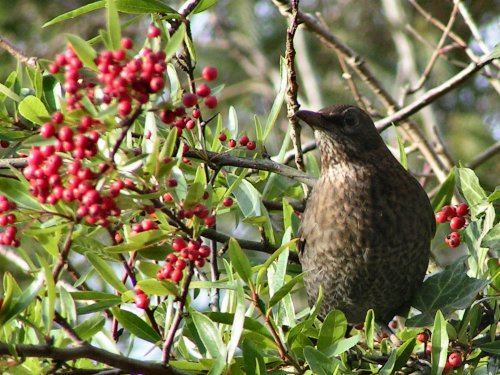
[
  {"x": 484, "y": 156},
  {"x": 17, "y": 53},
  {"x": 90, "y": 352}
]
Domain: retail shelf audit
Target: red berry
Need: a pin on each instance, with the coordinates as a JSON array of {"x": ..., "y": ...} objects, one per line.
[
  {"x": 455, "y": 359},
  {"x": 167, "y": 117},
  {"x": 452, "y": 240},
  {"x": 441, "y": 217},
  {"x": 199, "y": 262},
  {"x": 393, "y": 324},
  {"x": 457, "y": 222},
  {"x": 127, "y": 43},
  {"x": 189, "y": 99},
  {"x": 196, "y": 113},
  {"x": 148, "y": 224},
  {"x": 180, "y": 264},
  {"x": 449, "y": 211},
  {"x": 178, "y": 244},
  {"x": 167, "y": 197},
  {"x": 203, "y": 90},
  {"x": 211, "y": 101},
  {"x": 222, "y": 136},
  {"x": 124, "y": 108},
  {"x": 47, "y": 130},
  {"x": 228, "y": 202},
  {"x": 423, "y": 337},
  {"x": 171, "y": 182},
  {"x": 232, "y": 143},
  {"x": 153, "y": 31},
  {"x": 57, "y": 118},
  {"x": 251, "y": 145},
  {"x": 65, "y": 134},
  {"x": 462, "y": 209},
  {"x": 156, "y": 84},
  {"x": 54, "y": 68},
  {"x": 204, "y": 251},
  {"x": 244, "y": 140},
  {"x": 141, "y": 301},
  {"x": 177, "y": 275},
  {"x": 209, "y": 73},
  {"x": 210, "y": 221}
]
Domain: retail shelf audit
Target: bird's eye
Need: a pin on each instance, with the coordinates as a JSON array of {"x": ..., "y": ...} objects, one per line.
[{"x": 351, "y": 118}]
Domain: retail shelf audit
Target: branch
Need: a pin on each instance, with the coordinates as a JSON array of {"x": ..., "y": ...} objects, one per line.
[
  {"x": 17, "y": 53},
  {"x": 484, "y": 156},
  {"x": 91, "y": 352},
  {"x": 432, "y": 94},
  {"x": 219, "y": 160}
]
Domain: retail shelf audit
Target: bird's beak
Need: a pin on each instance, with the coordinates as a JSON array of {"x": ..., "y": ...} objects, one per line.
[{"x": 313, "y": 119}]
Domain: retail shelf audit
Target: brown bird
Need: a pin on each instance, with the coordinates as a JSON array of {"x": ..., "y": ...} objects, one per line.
[{"x": 366, "y": 231}]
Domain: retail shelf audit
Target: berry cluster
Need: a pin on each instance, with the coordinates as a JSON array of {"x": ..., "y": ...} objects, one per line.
[
  {"x": 7, "y": 220},
  {"x": 192, "y": 251},
  {"x": 243, "y": 141},
  {"x": 454, "y": 359},
  {"x": 144, "y": 226},
  {"x": 457, "y": 217},
  {"x": 178, "y": 118}
]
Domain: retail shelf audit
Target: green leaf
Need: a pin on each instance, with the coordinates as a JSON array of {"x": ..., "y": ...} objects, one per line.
[
  {"x": 284, "y": 290},
  {"x": 402, "y": 154},
  {"x": 84, "y": 50},
  {"x": 106, "y": 272},
  {"x": 204, "y": 5},
  {"x": 143, "y": 7},
  {"x": 403, "y": 353},
  {"x": 175, "y": 42},
  {"x": 98, "y": 306},
  {"x": 232, "y": 122},
  {"x": 89, "y": 327},
  {"x": 445, "y": 192},
  {"x": 388, "y": 368},
  {"x": 333, "y": 329},
  {"x": 8, "y": 92},
  {"x": 196, "y": 189},
  {"x": 76, "y": 12},
  {"x": 50, "y": 300},
  {"x": 249, "y": 323},
  {"x": 68, "y": 307},
  {"x": 448, "y": 290},
  {"x": 341, "y": 346},
  {"x": 138, "y": 242},
  {"x": 17, "y": 192},
  {"x": 209, "y": 334},
  {"x": 439, "y": 342},
  {"x": 492, "y": 238},
  {"x": 491, "y": 347},
  {"x": 20, "y": 302},
  {"x": 470, "y": 188},
  {"x": 370, "y": 328},
  {"x": 33, "y": 109},
  {"x": 248, "y": 198},
  {"x": 136, "y": 326},
  {"x": 278, "y": 102},
  {"x": 158, "y": 288},
  {"x": 319, "y": 363},
  {"x": 272, "y": 258},
  {"x": 238, "y": 323},
  {"x": 252, "y": 358},
  {"x": 240, "y": 261},
  {"x": 114, "y": 30}
]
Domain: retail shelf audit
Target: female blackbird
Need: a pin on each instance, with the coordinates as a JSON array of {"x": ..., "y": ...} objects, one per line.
[{"x": 366, "y": 231}]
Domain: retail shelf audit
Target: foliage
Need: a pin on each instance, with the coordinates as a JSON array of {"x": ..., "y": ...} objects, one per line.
[{"x": 165, "y": 243}]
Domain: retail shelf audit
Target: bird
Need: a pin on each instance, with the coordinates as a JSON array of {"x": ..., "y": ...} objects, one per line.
[{"x": 365, "y": 233}]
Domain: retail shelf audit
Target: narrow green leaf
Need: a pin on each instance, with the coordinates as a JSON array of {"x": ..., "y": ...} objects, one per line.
[
  {"x": 196, "y": 189},
  {"x": 76, "y": 12},
  {"x": 252, "y": 358},
  {"x": 209, "y": 334},
  {"x": 333, "y": 329},
  {"x": 491, "y": 347},
  {"x": 284, "y": 290},
  {"x": 240, "y": 261},
  {"x": 445, "y": 192},
  {"x": 370, "y": 328},
  {"x": 388, "y": 368},
  {"x": 106, "y": 272},
  {"x": 439, "y": 342},
  {"x": 114, "y": 30},
  {"x": 272, "y": 258},
  {"x": 20, "y": 302},
  {"x": 402, "y": 153},
  {"x": 403, "y": 353},
  {"x": 158, "y": 288},
  {"x": 232, "y": 122},
  {"x": 51, "y": 293},
  {"x": 319, "y": 363},
  {"x": 341, "y": 346},
  {"x": 249, "y": 323},
  {"x": 98, "y": 306},
  {"x": 8, "y": 92},
  {"x": 204, "y": 5},
  {"x": 143, "y": 7},
  {"x": 136, "y": 326},
  {"x": 89, "y": 327},
  {"x": 17, "y": 192},
  {"x": 84, "y": 50},
  {"x": 33, "y": 109},
  {"x": 175, "y": 42},
  {"x": 278, "y": 102},
  {"x": 68, "y": 307},
  {"x": 238, "y": 323}
]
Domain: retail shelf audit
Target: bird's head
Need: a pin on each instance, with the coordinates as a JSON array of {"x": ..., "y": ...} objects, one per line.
[{"x": 343, "y": 133}]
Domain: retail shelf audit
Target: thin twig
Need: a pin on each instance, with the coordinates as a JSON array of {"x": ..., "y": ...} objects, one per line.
[
  {"x": 90, "y": 352},
  {"x": 484, "y": 156},
  {"x": 126, "y": 124},
  {"x": 292, "y": 103},
  {"x": 17, "y": 53},
  {"x": 169, "y": 340},
  {"x": 64, "y": 253}
]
